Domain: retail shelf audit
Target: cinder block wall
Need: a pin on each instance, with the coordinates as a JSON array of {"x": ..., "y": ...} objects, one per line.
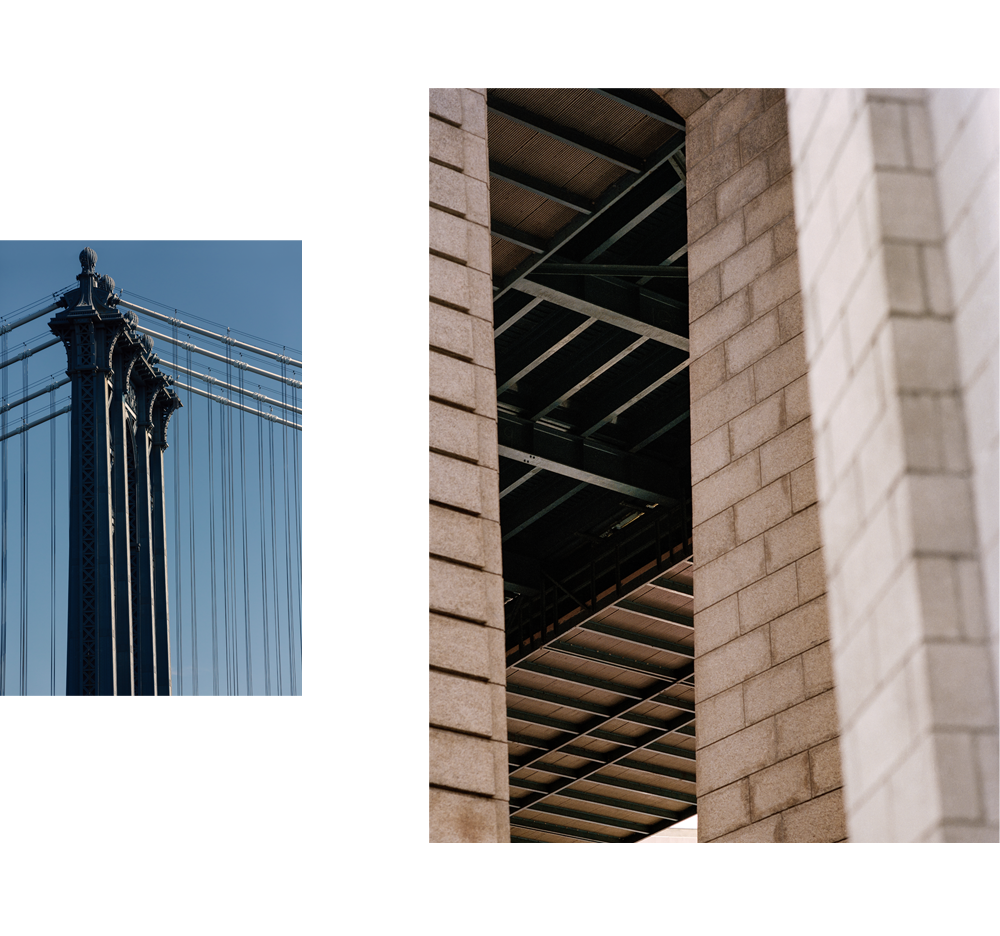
[
  {"x": 468, "y": 716},
  {"x": 909, "y": 627},
  {"x": 768, "y": 755},
  {"x": 965, "y": 125}
]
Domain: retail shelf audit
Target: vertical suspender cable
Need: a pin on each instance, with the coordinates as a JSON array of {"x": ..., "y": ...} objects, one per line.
[
  {"x": 191, "y": 539},
  {"x": 246, "y": 573},
  {"x": 69, "y": 498},
  {"x": 211, "y": 539},
  {"x": 298, "y": 531},
  {"x": 225, "y": 541},
  {"x": 3, "y": 524},
  {"x": 263, "y": 547},
  {"x": 288, "y": 543},
  {"x": 24, "y": 538},
  {"x": 232, "y": 516},
  {"x": 274, "y": 557},
  {"x": 178, "y": 579},
  {"x": 52, "y": 543}
]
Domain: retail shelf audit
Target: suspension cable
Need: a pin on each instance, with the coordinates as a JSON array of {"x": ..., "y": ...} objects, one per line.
[
  {"x": 31, "y": 425},
  {"x": 10, "y": 326},
  {"x": 225, "y": 339},
  {"x": 215, "y": 382},
  {"x": 199, "y": 318},
  {"x": 26, "y": 354},
  {"x": 240, "y": 365},
  {"x": 239, "y": 406},
  {"x": 57, "y": 295},
  {"x": 37, "y": 393}
]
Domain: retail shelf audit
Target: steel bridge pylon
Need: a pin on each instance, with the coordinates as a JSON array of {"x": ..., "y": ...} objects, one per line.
[{"x": 119, "y": 619}]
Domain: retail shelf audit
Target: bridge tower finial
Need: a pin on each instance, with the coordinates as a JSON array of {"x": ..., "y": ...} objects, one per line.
[{"x": 87, "y": 279}]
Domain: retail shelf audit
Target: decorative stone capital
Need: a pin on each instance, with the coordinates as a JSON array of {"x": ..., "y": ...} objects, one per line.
[{"x": 163, "y": 408}]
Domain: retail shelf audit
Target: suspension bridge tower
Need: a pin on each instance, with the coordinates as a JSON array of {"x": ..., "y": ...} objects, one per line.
[{"x": 119, "y": 622}]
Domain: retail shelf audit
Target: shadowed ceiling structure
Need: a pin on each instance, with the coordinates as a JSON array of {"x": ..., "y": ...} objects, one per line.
[{"x": 589, "y": 243}]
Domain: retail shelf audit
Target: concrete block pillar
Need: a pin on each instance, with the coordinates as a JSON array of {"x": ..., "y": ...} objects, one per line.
[
  {"x": 768, "y": 755},
  {"x": 468, "y": 715},
  {"x": 895, "y": 203}
]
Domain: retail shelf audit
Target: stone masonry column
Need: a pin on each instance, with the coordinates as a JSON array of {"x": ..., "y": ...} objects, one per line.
[
  {"x": 468, "y": 714},
  {"x": 896, "y": 204},
  {"x": 768, "y": 754}
]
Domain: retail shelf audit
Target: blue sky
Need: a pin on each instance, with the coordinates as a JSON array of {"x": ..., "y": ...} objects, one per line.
[{"x": 342, "y": 172}]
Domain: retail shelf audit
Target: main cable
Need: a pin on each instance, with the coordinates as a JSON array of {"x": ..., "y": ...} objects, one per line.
[
  {"x": 57, "y": 295},
  {"x": 200, "y": 318},
  {"x": 226, "y": 339}
]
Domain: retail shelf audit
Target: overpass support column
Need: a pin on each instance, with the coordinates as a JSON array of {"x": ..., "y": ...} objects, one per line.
[
  {"x": 896, "y": 203},
  {"x": 768, "y": 762},
  {"x": 468, "y": 717}
]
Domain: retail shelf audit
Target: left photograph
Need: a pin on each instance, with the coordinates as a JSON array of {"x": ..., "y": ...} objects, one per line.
[{"x": 151, "y": 468}]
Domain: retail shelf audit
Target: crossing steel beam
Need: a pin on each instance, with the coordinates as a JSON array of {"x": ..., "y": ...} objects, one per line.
[
  {"x": 611, "y": 196},
  {"x": 603, "y": 313},
  {"x": 584, "y": 459}
]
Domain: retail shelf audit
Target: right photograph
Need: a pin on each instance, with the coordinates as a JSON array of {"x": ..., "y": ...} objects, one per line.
[{"x": 713, "y": 447}]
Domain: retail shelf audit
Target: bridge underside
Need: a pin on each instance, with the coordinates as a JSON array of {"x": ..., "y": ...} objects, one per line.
[{"x": 589, "y": 241}]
